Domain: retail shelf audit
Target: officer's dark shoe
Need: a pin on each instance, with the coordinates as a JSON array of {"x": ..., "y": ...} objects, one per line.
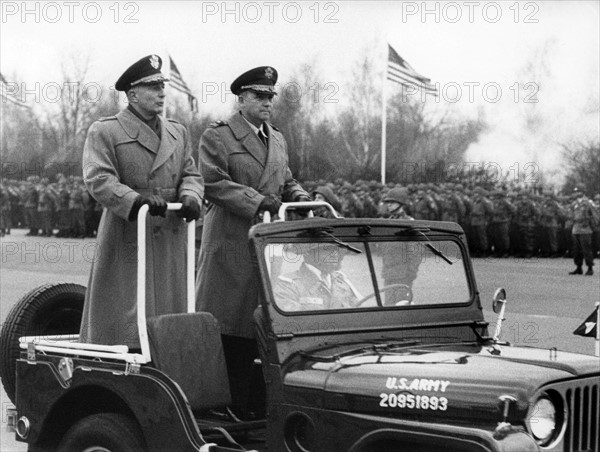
[
  {"x": 577, "y": 271},
  {"x": 589, "y": 272}
]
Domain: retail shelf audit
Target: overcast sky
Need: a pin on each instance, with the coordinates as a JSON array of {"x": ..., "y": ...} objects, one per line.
[{"x": 531, "y": 67}]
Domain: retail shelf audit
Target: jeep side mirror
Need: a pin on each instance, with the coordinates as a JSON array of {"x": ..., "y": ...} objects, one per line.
[{"x": 498, "y": 300}]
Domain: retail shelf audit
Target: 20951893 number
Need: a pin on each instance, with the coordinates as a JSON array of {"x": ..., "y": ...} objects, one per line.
[{"x": 413, "y": 402}]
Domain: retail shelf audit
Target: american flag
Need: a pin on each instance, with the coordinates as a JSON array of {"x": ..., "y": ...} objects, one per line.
[
  {"x": 176, "y": 82},
  {"x": 8, "y": 94},
  {"x": 399, "y": 71}
]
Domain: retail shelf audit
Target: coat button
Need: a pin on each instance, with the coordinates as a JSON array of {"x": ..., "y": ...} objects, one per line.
[{"x": 156, "y": 229}]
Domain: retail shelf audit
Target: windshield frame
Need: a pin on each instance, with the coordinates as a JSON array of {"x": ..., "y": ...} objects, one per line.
[{"x": 365, "y": 243}]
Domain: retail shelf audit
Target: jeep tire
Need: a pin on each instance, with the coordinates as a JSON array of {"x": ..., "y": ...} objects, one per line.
[
  {"x": 103, "y": 432},
  {"x": 50, "y": 309}
]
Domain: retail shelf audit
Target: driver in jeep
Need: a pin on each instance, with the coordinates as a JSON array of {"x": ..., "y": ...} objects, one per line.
[{"x": 318, "y": 283}]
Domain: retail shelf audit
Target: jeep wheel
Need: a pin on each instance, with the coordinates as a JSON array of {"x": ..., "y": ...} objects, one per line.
[
  {"x": 47, "y": 310},
  {"x": 106, "y": 432}
]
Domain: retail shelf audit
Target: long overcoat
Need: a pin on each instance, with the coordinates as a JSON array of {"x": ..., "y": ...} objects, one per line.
[
  {"x": 238, "y": 172},
  {"x": 122, "y": 159}
]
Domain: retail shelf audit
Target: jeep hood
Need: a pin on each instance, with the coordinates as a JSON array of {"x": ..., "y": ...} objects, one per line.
[{"x": 458, "y": 381}]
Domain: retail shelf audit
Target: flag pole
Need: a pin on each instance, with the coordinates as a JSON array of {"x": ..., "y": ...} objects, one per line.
[
  {"x": 597, "y": 349},
  {"x": 384, "y": 117}
]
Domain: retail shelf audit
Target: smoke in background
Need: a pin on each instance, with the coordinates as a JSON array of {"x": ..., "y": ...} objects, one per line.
[{"x": 556, "y": 104}]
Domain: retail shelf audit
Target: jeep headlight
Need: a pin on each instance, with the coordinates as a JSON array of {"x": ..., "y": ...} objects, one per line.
[{"x": 543, "y": 419}]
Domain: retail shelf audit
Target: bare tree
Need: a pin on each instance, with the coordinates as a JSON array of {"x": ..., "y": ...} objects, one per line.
[{"x": 583, "y": 162}]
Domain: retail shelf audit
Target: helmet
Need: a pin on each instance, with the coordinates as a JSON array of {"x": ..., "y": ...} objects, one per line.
[
  {"x": 397, "y": 194},
  {"x": 329, "y": 196}
]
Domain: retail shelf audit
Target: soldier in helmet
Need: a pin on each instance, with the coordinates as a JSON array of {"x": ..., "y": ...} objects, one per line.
[
  {"x": 552, "y": 216},
  {"x": 425, "y": 207},
  {"x": 596, "y": 229},
  {"x": 31, "y": 195},
  {"x": 77, "y": 195},
  {"x": 46, "y": 207},
  {"x": 526, "y": 219},
  {"x": 62, "y": 209},
  {"x": 584, "y": 220},
  {"x": 400, "y": 262},
  {"x": 397, "y": 204},
  {"x": 482, "y": 211},
  {"x": 499, "y": 225},
  {"x": 326, "y": 194}
]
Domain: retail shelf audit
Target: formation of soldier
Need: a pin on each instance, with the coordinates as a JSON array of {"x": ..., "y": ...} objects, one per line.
[
  {"x": 499, "y": 221},
  {"x": 61, "y": 208}
]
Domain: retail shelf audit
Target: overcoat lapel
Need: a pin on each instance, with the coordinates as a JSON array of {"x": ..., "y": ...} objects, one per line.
[
  {"x": 168, "y": 143},
  {"x": 244, "y": 134},
  {"x": 139, "y": 131}
]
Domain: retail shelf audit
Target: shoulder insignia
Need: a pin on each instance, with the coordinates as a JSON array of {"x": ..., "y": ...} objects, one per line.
[
  {"x": 174, "y": 121},
  {"x": 274, "y": 128},
  {"x": 285, "y": 279},
  {"x": 218, "y": 123},
  {"x": 107, "y": 118}
]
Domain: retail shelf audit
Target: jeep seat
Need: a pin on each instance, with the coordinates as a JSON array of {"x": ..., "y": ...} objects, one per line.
[{"x": 187, "y": 347}]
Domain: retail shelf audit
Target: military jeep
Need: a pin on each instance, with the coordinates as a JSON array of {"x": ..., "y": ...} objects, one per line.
[{"x": 390, "y": 352}]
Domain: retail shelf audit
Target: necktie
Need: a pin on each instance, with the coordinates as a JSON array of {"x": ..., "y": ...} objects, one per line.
[{"x": 263, "y": 138}]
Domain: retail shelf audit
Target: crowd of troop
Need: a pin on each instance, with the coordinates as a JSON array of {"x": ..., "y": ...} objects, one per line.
[
  {"x": 499, "y": 220},
  {"x": 62, "y": 207}
]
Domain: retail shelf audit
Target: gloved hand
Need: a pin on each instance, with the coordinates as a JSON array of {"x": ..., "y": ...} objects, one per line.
[
  {"x": 303, "y": 212},
  {"x": 190, "y": 209},
  {"x": 157, "y": 206},
  {"x": 303, "y": 198},
  {"x": 271, "y": 204}
]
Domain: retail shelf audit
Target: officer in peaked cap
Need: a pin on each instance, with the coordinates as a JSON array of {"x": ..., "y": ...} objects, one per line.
[
  {"x": 260, "y": 80},
  {"x": 244, "y": 161},
  {"x": 143, "y": 72},
  {"x": 134, "y": 158}
]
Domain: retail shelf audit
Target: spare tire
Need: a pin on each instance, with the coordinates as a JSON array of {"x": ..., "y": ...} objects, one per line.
[{"x": 50, "y": 309}]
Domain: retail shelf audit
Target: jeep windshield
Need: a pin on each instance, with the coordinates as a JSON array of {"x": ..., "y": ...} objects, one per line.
[{"x": 325, "y": 273}]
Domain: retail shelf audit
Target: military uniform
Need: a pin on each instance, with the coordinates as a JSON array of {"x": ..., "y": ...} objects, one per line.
[
  {"x": 400, "y": 261},
  {"x": 31, "y": 196},
  {"x": 62, "y": 209},
  {"x": 527, "y": 219},
  {"x": 46, "y": 208},
  {"x": 4, "y": 210},
  {"x": 125, "y": 162},
  {"x": 583, "y": 222},
  {"x": 453, "y": 208},
  {"x": 482, "y": 211},
  {"x": 425, "y": 207},
  {"x": 499, "y": 224},
  {"x": 243, "y": 174},
  {"x": 551, "y": 219},
  {"x": 305, "y": 290},
  {"x": 76, "y": 208}
]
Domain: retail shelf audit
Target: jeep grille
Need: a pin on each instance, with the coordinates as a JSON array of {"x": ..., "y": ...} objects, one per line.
[{"x": 582, "y": 433}]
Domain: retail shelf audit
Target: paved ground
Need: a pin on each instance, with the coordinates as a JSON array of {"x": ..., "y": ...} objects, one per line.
[{"x": 545, "y": 304}]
